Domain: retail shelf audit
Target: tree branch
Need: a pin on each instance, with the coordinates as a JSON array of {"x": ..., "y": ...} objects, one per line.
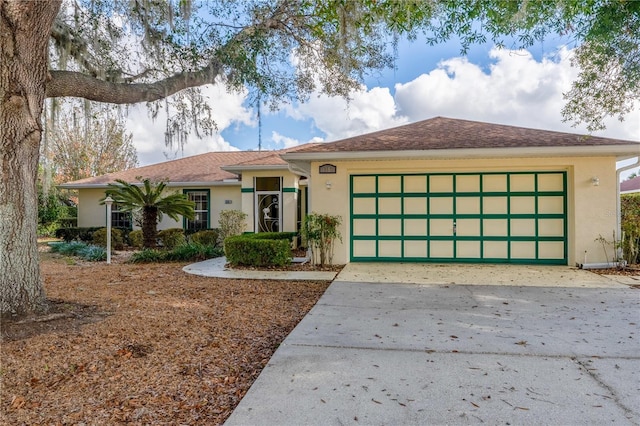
[{"x": 79, "y": 85}]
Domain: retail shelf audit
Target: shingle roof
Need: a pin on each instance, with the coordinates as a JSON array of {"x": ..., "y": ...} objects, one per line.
[
  {"x": 198, "y": 168},
  {"x": 630, "y": 185},
  {"x": 447, "y": 133},
  {"x": 272, "y": 158},
  {"x": 206, "y": 167}
]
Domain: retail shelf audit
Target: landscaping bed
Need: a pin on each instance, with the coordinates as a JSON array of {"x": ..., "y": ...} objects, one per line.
[{"x": 143, "y": 344}]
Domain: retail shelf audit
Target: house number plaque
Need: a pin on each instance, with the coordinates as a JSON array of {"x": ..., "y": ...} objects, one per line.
[{"x": 327, "y": 169}]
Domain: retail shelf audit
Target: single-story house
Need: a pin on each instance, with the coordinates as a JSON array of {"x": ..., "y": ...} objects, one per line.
[
  {"x": 439, "y": 190},
  {"x": 630, "y": 186}
]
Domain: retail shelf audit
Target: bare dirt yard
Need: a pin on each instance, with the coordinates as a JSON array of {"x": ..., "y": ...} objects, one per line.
[{"x": 142, "y": 344}]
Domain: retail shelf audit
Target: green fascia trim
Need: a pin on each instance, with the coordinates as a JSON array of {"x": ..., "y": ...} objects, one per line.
[
  {"x": 289, "y": 189},
  {"x": 246, "y": 190}
]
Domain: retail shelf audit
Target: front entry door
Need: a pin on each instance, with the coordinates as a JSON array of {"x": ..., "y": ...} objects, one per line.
[{"x": 268, "y": 212}]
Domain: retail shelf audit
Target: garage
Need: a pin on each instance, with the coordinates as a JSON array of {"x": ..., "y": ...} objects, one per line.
[{"x": 494, "y": 217}]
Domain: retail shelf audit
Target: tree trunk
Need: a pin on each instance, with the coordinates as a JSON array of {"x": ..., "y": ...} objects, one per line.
[
  {"x": 25, "y": 27},
  {"x": 149, "y": 226}
]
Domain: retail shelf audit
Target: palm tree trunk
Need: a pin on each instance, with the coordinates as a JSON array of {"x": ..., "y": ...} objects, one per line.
[{"x": 149, "y": 226}]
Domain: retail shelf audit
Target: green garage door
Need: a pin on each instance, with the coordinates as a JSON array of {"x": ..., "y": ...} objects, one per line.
[{"x": 518, "y": 217}]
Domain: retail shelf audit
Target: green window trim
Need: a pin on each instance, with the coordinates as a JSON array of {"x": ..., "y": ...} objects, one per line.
[{"x": 208, "y": 195}]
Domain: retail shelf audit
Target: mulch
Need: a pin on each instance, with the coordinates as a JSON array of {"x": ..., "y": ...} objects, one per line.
[{"x": 143, "y": 344}]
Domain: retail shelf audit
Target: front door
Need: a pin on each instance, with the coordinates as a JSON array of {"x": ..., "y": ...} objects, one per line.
[{"x": 268, "y": 197}]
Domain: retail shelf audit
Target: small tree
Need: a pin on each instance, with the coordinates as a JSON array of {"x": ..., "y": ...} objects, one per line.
[
  {"x": 321, "y": 231},
  {"x": 232, "y": 222},
  {"x": 150, "y": 199}
]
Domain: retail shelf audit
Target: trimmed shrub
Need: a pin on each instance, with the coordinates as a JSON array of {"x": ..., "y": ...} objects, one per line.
[
  {"x": 262, "y": 249},
  {"x": 99, "y": 238},
  {"x": 171, "y": 238},
  {"x": 136, "y": 239},
  {"x": 208, "y": 237}
]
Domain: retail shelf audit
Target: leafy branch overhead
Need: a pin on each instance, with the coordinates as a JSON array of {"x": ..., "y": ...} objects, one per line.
[{"x": 127, "y": 52}]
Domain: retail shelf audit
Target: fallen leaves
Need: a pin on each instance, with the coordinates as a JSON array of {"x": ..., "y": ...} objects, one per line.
[{"x": 157, "y": 347}]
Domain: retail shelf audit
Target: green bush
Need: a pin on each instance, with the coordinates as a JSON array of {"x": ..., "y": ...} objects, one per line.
[
  {"x": 80, "y": 249},
  {"x": 47, "y": 230},
  {"x": 147, "y": 256},
  {"x": 99, "y": 238},
  {"x": 193, "y": 252},
  {"x": 80, "y": 234},
  {"x": 69, "y": 249},
  {"x": 136, "y": 239},
  {"x": 320, "y": 231},
  {"x": 208, "y": 237},
  {"x": 232, "y": 222},
  {"x": 172, "y": 238},
  {"x": 630, "y": 223},
  {"x": 84, "y": 233},
  {"x": 188, "y": 252},
  {"x": 93, "y": 253},
  {"x": 263, "y": 249}
]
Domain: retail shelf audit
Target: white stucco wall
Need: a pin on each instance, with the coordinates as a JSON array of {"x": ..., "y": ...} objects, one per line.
[{"x": 91, "y": 213}]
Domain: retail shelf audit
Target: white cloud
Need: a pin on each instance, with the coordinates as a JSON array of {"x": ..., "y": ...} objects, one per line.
[
  {"x": 367, "y": 111},
  {"x": 517, "y": 90},
  {"x": 148, "y": 135},
  {"x": 283, "y": 141}
]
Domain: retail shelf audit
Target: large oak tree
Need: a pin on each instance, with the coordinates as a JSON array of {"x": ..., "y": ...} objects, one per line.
[{"x": 131, "y": 51}]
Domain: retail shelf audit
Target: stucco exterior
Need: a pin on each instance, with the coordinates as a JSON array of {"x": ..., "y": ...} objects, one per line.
[
  {"x": 222, "y": 197},
  {"x": 591, "y": 210}
]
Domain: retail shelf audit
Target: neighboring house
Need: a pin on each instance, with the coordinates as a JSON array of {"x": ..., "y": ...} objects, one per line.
[
  {"x": 630, "y": 186},
  {"x": 442, "y": 190}
]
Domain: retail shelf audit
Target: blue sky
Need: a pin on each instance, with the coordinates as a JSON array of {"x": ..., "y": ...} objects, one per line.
[{"x": 521, "y": 88}]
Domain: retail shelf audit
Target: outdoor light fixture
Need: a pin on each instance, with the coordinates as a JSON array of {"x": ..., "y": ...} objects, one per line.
[
  {"x": 328, "y": 184},
  {"x": 595, "y": 181},
  {"x": 108, "y": 201}
]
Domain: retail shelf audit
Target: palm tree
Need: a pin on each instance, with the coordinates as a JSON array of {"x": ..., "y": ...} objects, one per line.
[{"x": 150, "y": 199}]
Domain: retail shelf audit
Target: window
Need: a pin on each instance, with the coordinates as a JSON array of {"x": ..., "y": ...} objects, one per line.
[
  {"x": 201, "y": 219},
  {"x": 120, "y": 219}
]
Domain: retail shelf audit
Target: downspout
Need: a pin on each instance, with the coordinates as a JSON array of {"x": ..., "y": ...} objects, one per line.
[{"x": 298, "y": 169}]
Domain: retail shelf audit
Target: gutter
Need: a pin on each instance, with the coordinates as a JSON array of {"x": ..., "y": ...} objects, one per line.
[
  {"x": 233, "y": 182},
  {"x": 620, "y": 151}
]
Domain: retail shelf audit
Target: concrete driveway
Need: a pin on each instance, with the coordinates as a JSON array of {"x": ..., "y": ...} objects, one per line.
[{"x": 395, "y": 353}]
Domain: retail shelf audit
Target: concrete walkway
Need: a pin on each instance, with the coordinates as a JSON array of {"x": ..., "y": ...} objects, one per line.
[
  {"x": 399, "y": 353},
  {"x": 216, "y": 268},
  {"x": 482, "y": 274}
]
